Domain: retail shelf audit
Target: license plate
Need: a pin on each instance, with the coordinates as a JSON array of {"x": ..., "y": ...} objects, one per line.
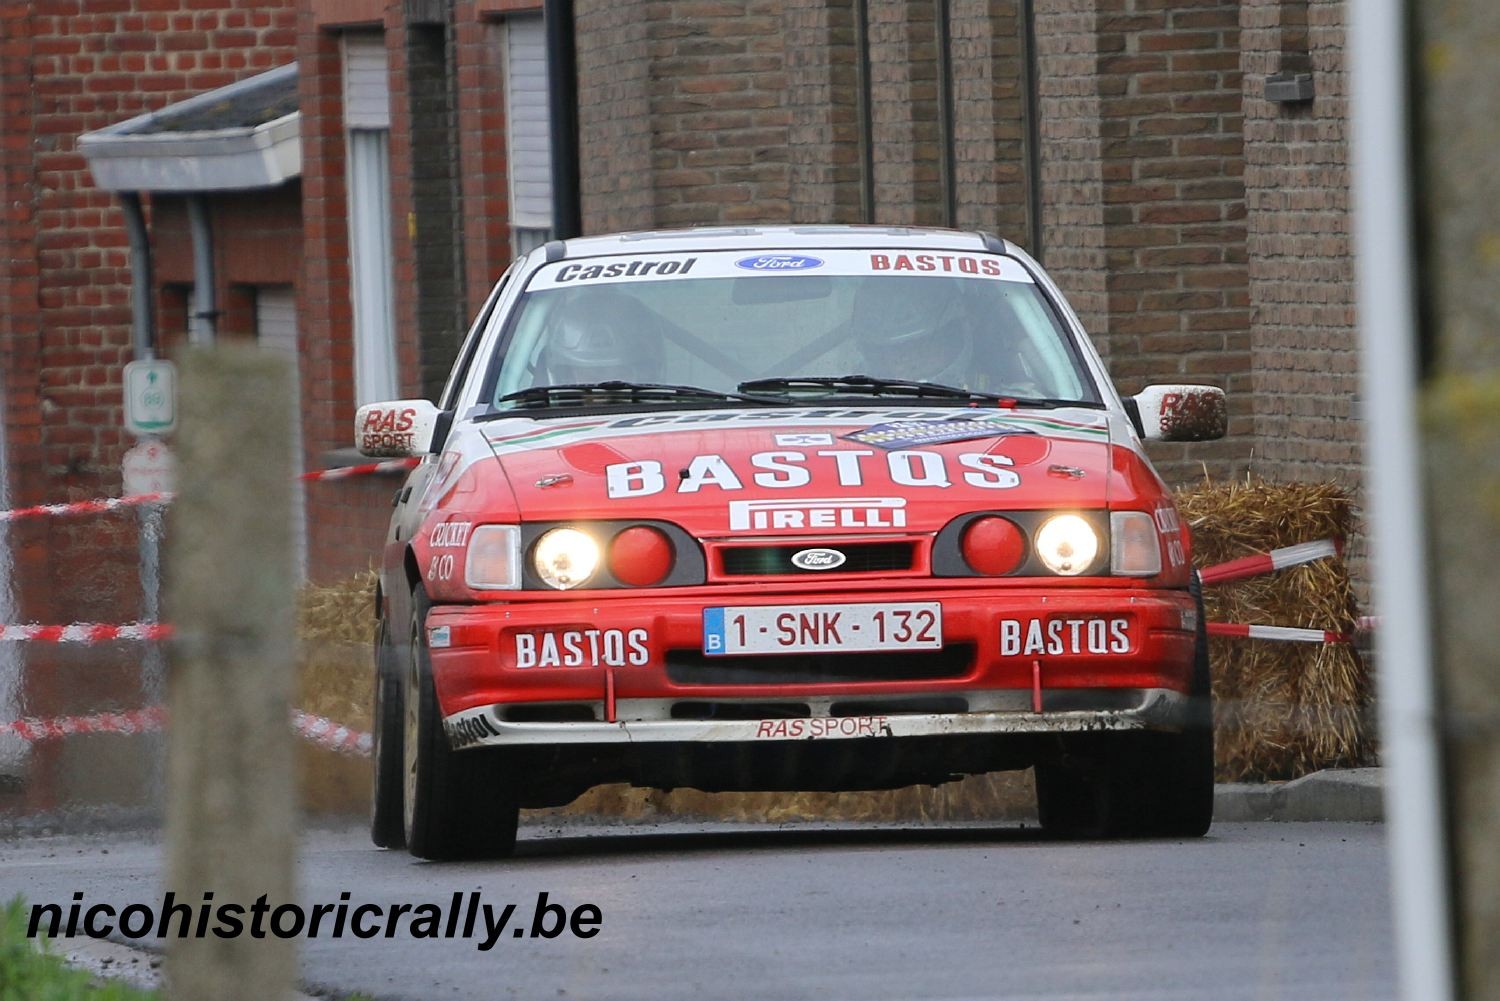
[{"x": 816, "y": 628}]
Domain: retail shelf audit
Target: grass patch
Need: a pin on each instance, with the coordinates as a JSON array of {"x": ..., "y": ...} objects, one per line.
[{"x": 27, "y": 973}]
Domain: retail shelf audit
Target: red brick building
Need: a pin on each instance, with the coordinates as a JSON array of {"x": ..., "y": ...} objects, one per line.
[{"x": 1181, "y": 167}]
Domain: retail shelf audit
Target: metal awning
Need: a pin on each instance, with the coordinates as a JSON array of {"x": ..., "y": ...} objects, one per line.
[{"x": 244, "y": 135}]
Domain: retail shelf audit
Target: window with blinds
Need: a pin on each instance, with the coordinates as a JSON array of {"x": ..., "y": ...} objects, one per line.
[
  {"x": 367, "y": 121},
  {"x": 528, "y": 137}
]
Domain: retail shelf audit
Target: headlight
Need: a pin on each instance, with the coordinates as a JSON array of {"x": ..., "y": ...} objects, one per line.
[
  {"x": 493, "y": 562},
  {"x": 565, "y": 557},
  {"x": 1067, "y": 544},
  {"x": 1133, "y": 547}
]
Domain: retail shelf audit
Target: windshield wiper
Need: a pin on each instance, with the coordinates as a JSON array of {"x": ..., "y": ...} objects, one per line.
[
  {"x": 583, "y": 394},
  {"x": 867, "y": 385}
]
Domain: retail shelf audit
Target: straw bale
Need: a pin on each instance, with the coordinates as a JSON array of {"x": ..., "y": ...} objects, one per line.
[{"x": 1283, "y": 709}]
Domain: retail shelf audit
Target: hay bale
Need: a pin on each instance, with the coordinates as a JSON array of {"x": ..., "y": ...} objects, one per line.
[
  {"x": 335, "y": 624},
  {"x": 1283, "y": 709}
]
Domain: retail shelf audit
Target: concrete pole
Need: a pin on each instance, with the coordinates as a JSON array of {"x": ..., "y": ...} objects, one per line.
[
  {"x": 230, "y": 569},
  {"x": 1456, "y": 59}
]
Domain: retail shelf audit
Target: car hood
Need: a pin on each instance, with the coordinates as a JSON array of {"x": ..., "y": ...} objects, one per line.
[{"x": 718, "y": 473}]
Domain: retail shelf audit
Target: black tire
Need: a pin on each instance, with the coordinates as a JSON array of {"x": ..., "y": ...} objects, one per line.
[
  {"x": 456, "y": 805},
  {"x": 387, "y": 829},
  {"x": 1139, "y": 784}
]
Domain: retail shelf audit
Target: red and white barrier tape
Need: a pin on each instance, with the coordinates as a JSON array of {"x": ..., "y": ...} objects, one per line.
[
  {"x": 1367, "y": 623},
  {"x": 83, "y": 507},
  {"x": 318, "y": 729},
  {"x": 101, "y": 505},
  {"x": 134, "y": 721},
  {"x": 1264, "y": 563},
  {"x": 389, "y": 466},
  {"x": 1289, "y": 633},
  {"x": 86, "y": 632},
  {"x": 330, "y": 734}
]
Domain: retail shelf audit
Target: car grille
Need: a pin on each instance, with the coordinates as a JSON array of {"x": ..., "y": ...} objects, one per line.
[
  {"x": 860, "y": 557},
  {"x": 692, "y": 667}
]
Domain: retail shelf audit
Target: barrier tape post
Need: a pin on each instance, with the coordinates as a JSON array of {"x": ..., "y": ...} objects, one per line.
[
  {"x": 1264, "y": 563},
  {"x": 1293, "y": 634}
]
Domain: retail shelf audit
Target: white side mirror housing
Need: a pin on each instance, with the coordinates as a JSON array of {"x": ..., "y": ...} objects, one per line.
[
  {"x": 1182, "y": 413},
  {"x": 395, "y": 429}
]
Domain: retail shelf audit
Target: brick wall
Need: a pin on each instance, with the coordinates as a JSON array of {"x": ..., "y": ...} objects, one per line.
[
  {"x": 483, "y": 191},
  {"x": 1300, "y": 255},
  {"x": 1143, "y": 179},
  {"x": 68, "y": 67},
  {"x": 614, "y": 110},
  {"x": 346, "y": 519},
  {"x": 72, "y": 67},
  {"x": 823, "y": 96},
  {"x": 989, "y": 144},
  {"x": 905, "y": 114}
]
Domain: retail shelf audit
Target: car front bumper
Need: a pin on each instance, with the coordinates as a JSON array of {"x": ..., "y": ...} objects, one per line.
[{"x": 638, "y": 673}]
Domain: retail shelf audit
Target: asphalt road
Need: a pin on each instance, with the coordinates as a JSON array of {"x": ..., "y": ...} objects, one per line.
[{"x": 1257, "y": 911}]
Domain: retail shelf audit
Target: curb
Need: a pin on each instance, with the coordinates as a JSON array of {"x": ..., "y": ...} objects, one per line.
[{"x": 1342, "y": 794}]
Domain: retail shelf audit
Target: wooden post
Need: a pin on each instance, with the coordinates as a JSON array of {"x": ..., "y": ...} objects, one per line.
[{"x": 231, "y": 828}]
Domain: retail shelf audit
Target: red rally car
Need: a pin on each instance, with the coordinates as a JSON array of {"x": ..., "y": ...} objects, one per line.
[{"x": 806, "y": 508}]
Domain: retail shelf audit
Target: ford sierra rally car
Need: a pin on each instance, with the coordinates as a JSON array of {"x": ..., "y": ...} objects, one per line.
[{"x": 800, "y": 508}]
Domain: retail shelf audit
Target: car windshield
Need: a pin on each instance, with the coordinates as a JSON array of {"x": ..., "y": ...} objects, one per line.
[{"x": 803, "y": 326}]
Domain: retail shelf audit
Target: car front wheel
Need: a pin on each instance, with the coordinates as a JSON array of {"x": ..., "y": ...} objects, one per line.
[
  {"x": 457, "y": 805},
  {"x": 1139, "y": 784},
  {"x": 387, "y": 828}
]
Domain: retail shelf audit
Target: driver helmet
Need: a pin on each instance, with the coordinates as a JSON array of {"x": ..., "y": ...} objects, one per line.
[
  {"x": 599, "y": 335},
  {"x": 913, "y": 328}
]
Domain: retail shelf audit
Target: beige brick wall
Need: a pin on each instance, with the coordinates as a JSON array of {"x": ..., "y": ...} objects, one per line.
[
  {"x": 989, "y": 125},
  {"x": 824, "y": 152},
  {"x": 1301, "y": 263}
]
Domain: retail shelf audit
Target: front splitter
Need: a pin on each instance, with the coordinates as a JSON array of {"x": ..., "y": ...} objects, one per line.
[{"x": 482, "y": 726}]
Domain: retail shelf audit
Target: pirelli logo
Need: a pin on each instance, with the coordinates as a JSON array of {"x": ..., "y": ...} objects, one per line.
[{"x": 836, "y": 512}]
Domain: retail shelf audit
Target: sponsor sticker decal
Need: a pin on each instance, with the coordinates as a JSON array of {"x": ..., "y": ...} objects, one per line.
[
  {"x": 803, "y": 439},
  {"x": 1030, "y": 637},
  {"x": 582, "y": 648},
  {"x": 818, "y": 727},
  {"x": 912, "y": 434},
  {"x": 439, "y": 637},
  {"x": 779, "y": 263},
  {"x": 469, "y": 730},
  {"x": 833, "y": 512}
]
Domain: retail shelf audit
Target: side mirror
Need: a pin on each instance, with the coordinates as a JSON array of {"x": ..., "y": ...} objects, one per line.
[
  {"x": 1182, "y": 413},
  {"x": 395, "y": 429}
]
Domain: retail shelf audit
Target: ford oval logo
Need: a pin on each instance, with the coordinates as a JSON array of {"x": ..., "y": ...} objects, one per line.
[
  {"x": 818, "y": 559},
  {"x": 779, "y": 262}
]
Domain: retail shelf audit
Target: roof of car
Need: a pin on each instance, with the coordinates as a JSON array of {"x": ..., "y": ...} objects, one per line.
[{"x": 772, "y": 238}]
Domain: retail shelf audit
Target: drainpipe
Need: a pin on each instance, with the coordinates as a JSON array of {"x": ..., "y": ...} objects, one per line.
[
  {"x": 562, "y": 112},
  {"x": 142, "y": 317},
  {"x": 203, "y": 324}
]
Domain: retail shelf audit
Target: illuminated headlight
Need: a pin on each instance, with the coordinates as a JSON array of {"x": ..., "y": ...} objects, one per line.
[
  {"x": 565, "y": 557},
  {"x": 1067, "y": 544},
  {"x": 1133, "y": 547},
  {"x": 493, "y": 561}
]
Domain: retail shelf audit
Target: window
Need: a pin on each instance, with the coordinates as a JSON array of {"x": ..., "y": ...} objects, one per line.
[
  {"x": 528, "y": 133},
  {"x": 367, "y": 119},
  {"x": 276, "y": 330}
]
